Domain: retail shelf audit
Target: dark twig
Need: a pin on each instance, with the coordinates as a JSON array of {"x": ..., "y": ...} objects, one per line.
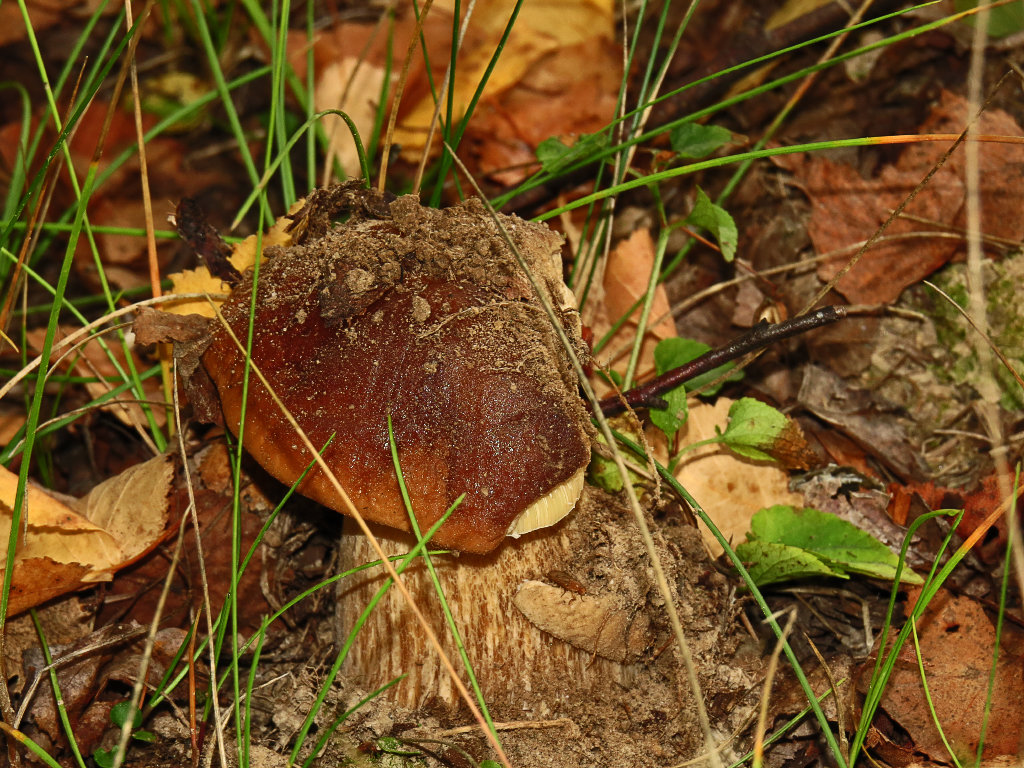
[{"x": 761, "y": 335}]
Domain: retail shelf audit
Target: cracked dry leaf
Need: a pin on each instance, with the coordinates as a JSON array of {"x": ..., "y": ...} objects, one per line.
[{"x": 61, "y": 549}]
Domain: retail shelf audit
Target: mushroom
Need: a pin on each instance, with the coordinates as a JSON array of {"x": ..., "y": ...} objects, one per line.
[{"x": 424, "y": 316}]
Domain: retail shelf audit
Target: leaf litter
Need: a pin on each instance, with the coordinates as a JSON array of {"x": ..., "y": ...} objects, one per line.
[{"x": 895, "y": 447}]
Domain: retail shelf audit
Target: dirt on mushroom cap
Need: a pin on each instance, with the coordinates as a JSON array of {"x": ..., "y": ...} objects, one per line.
[{"x": 424, "y": 315}]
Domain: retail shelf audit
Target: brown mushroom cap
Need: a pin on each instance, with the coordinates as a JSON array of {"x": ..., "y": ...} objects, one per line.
[{"x": 425, "y": 316}]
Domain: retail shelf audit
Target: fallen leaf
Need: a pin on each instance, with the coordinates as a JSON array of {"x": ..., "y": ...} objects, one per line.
[
  {"x": 626, "y": 272},
  {"x": 558, "y": 75},
  {"x": 61, "y": 550},
  {"x": 831, "y": 398},
  {"x": 106, "y": 369},
  {"x": 132, "y": 506},
  {"x": 243, "y": 256},
  {"x": 957, "y": 640},
  {"x": 593, "y": 624},
  {"x": 847, "y": 209},
  {"x": 92, "y": 683}
]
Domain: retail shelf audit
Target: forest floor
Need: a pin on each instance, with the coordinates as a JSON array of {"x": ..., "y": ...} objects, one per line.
[{"x": 631, "y": 633}]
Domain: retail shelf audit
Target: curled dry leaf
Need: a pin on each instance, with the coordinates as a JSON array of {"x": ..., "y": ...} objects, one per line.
[
  {"x": 62, "y": 549},
  {"x": 596, "y": 624}
]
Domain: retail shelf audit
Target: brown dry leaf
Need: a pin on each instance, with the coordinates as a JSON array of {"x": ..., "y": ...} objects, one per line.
[
  {"x": 125, "y": 258},
  {"x": 132, "y": 506},
  {"x": 543, "y": 30},
  {"x": 61, "y": 550},
  {"x": 136, "y": 592},
  {"x": 97, "y": 668},
  {"x": 957, "y": 639},
  {"x": 12, "y": 418},
  {"x": 598, "y": 625},
  {"x": 834, "y": 400},
  {"x": 42, "y": 16},
  {"x": 847, "y": 209},
  {"x": 626, "y": 273},
  {"x": 729, "y": 488}
]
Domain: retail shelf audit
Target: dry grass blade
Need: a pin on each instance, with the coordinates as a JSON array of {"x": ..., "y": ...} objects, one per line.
[
  {"x": 634, "y": 503},
  {"x": 385, "y": 561}
]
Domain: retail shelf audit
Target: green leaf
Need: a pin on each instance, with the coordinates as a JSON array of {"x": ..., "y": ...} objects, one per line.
[
  {"x": 754, "y": 428},
  {"x": 119, "y": 714},
  {"x": 670, "y": 419},
  {"x": 838, "y": 544},
  {"x": 604, "y": 473},
  {"x": 693, "y": 140},
  {"x": 717, "y": 221},
  {"x": 768, "y": 562},
  {"x": 674, "y": 352},
  {"x": 554, "y": 154},
  {"x": 104, "y": 758}
]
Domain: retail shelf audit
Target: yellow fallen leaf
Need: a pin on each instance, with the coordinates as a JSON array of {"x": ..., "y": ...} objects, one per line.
[
  {"x": 60, "y": 550},
  {"x": 132, "y": 506},
  {"x": 243, "y": 256}
]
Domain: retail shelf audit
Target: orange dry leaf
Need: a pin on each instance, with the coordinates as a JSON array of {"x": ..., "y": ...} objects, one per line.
[
  {"x": 63, "y": 548},
  {"x": 957, "y": 641},
  {"x": 626, "y": 274},
  {"x": 557, "y": 75}
]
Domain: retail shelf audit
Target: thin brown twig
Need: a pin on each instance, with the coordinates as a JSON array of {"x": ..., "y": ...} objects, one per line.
[{"x": 648, "y": 395}]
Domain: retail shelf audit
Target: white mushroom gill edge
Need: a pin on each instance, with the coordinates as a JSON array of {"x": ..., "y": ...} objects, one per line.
[{"x": 550, "y": 508}]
